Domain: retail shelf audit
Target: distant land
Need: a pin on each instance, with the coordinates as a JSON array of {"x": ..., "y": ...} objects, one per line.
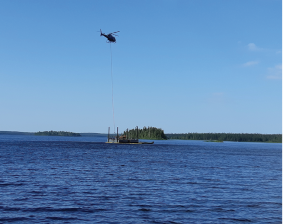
[
  {"x": 234, "y": 137},
  {"x": 57, "y": 133},
  {"x": 15, "y": 133},
  {"x": 156, "y": 133},
  {"x": 33, "y": 133}
]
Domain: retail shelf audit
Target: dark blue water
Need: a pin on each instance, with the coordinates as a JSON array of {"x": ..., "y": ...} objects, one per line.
[{"x": 84, "y": 180}]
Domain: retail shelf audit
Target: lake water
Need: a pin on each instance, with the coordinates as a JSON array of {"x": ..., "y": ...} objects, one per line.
[{"x": 83, "y": 180}]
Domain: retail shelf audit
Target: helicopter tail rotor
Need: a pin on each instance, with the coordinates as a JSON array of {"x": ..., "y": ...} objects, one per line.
[{"x": 101, "y": 34}]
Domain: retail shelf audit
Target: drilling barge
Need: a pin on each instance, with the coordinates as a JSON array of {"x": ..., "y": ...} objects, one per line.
[{"x": 123, "y": 139}]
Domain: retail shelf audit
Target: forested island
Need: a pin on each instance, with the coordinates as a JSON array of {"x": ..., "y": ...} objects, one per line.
[
  {"x": 57, "y": 133},
  {"x": 154, "y": 133},
  {"x": 146, "y": 133},
  {"x": 236, "y": 137}
]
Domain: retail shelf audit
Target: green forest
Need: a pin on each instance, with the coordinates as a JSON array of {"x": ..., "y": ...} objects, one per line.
[
  {"x": 57, "y": 133},
  {"x": 146, "y": 133},
  {"x": 275, "y": 138},
  {"x": 158, "y": 134}
]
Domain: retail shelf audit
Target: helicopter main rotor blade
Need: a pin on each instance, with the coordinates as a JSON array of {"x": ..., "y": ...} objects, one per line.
[{"x": 116, "y": 32}]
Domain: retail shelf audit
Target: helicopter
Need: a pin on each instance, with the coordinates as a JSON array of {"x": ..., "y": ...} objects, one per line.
[{"x": 110, "y": 37}]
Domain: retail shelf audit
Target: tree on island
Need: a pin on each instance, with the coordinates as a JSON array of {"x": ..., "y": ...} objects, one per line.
[{"x": 146, "y": 133}]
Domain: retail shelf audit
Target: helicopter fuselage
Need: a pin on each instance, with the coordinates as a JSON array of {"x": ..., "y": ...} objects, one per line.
[{"x": 109, "y": 37}]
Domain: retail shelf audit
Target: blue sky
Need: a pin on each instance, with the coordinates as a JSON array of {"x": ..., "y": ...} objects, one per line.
[{"x": 183, "y": 66}]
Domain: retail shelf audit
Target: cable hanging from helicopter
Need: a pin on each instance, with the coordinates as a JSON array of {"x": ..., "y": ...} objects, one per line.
[{"x": 111, "y": 39}]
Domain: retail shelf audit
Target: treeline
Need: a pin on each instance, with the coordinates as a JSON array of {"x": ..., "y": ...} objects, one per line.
[
  {"x": 57, "y": 133},
  {"x": 276, "y": 138},
  {"x": 146, "y": 133},
  {"x": 15, "y": 133}
]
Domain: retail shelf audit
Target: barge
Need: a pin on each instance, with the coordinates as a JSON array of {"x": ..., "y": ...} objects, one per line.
[{"x": 123, "y": 139}]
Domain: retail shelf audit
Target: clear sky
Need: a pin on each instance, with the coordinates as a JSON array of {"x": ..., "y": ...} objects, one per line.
[{"x": 183, "y": 66}]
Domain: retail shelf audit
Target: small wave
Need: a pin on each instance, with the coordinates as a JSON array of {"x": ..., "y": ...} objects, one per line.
[
  {"x": 66, "y": 210},
  {"x": 238, "y": 220},
  {"x": 15, "y": 219},
  {"x": 61, "y": 218},
  {"x": 172, "y": 222},
  {"x": 253, "y": 206},
  {"x": 165, "y": 222},
  {"x": 189, "y": 210},
  {"x": 10, "y": 208},
  {"x": 145, "y": 209},
  {"x": 36, "y": 192},
  {"x": 20, "y": 199},
  {"x": 220, "y": 209},
  {"x": 49, "y": 209},
  {"x": 11, "y": 184}
]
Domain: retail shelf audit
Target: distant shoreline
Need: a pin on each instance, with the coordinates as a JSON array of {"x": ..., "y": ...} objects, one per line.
[
  {"x": 212, "y": 137},
  {"x": 33, "y": 133},
  {"x": 16, "y": 133},
  {"x": 232, "y": 137}
]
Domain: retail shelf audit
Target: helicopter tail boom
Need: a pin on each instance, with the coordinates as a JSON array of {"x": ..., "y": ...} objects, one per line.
[{"x": 101, "y": 34}]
